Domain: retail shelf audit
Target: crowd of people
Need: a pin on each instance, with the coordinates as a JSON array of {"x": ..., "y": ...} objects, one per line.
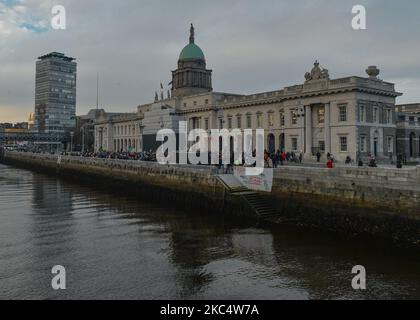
[
  {"x": 271, "y": 160},
  {"x": 279, "y": 158},
  {"x": 140, "y": 156}
]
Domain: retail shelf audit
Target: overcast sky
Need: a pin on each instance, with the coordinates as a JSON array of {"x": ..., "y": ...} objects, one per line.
[{"x": 252, "y": 46}]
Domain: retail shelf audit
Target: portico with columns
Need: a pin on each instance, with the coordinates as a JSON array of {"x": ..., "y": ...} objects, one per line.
[{"x": 317, "y": 129}]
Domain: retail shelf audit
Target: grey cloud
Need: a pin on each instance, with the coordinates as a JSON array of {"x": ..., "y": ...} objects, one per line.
[{"x": 252, "y": 46}]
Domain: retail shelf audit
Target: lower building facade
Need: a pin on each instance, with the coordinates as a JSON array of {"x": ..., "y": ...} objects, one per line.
[
  {"x": 408, "y": 132},
  {"x": 118, "y": 132}
]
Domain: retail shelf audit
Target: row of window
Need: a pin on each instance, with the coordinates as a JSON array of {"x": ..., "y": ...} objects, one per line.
[
  {"x": 321, "y": 144},
  {"x": 126, "y": 145},
  {"x": 363, "y": 144},
  {"x": 375, "y": 115},
  {"x": 206, "y": 102},
  {"x": 411, "y": 119},
  {"x": 294, "y": 115},
  {"x": 129, "y": 130},
  {"x": 343, "y": 140}
]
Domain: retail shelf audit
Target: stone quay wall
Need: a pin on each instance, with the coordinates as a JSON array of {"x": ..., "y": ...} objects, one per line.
[
  {"x": 379, "y": 202},
  {"x": 384, "y": 202},
  {"x": 396, "y": 189},
  {"x": 182, "y": 186}
]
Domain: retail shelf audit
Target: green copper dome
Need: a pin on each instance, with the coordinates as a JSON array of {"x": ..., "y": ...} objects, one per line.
[{"x": 191, "y": 51}]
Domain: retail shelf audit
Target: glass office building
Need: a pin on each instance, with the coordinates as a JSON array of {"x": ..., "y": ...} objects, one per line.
[{"x": 55, "y": 94}]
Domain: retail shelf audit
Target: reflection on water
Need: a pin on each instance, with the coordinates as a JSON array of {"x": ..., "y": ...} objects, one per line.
[{"x": 117, "y": 247}]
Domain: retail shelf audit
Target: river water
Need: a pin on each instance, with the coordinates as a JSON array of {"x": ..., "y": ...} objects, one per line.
[{"x": 115, "y": 246}]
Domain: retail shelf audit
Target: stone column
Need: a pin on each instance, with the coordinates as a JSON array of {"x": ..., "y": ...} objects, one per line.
[
  {"x": 308, "y": 131},
  {"x": 190, "y": 124},
  {"x": 327, "y": 129},
  {"x": 213, "y": 120}
]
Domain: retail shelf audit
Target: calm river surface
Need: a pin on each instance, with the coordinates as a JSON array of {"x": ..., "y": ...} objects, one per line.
[{"x": 117, "y": 247}]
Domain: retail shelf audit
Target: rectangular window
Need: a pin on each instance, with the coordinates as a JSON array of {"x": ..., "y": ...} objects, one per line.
[
  {"x": 249, "y": 121},
  {"x": 196, "y": 123},
  {"x": 363, "y": 143},
  {"x": 282, "y": 119},
  {"x": 343, "y": 112},
  {"x": 321, "y": 115},
  {"x": 206, "y": 101},
  {"x": 294, "y": 144},
  {"x": 259, "y": 120},
  {"x": 390, "y": 144},
  {"x": 321, "y": 145},
  {"x": 271, "y": 119},
  {"x": 239, "y": 121},
  {"x": 375, "y": 115},
  {"x": 411, "y": 120},
  {"x": 294, "y": 116},
  {"x": 230, "y": 122},
  {"x": 362, "y": 115},
  {"x": 206, "y": 123},
  {"x": 220, "y": 123},
  {"x": 343, "y": 144},
  {"x": 388, "y": 116}
]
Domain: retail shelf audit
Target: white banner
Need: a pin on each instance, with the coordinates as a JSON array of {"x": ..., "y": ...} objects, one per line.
[{"x": 262, "y": 182}]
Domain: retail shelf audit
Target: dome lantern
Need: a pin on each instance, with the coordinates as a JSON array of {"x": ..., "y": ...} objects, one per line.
[{"x": 192, "y": 51}]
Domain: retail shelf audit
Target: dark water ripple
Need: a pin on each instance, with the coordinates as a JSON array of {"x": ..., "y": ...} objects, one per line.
[{"x": 118, "y": 247}]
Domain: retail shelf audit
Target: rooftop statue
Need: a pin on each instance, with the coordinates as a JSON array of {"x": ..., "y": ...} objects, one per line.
[{"x": 317, "y": 73}]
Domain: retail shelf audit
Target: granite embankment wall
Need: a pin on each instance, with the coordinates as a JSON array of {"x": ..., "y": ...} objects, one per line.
[
  {"x": 181, "y": 186},
  {"x": 396, "y": 189},
  {"x": 384, "y": 202}
]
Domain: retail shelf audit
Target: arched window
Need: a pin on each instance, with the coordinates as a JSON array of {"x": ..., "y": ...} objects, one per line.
[
  {"x": 282, "y": 142},
  {"x": 412, "y": 145},
  {"x": 271, "y": 143},
  {"x": 375, "y": 143}
]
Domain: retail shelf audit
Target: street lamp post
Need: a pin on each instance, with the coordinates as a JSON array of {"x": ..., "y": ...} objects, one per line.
[
  {"x": 59, "y": 139},
  {"x": 83, "y": 139},
  {"x": 301, "y": 115},
  {"x": 71, "y": 141}
]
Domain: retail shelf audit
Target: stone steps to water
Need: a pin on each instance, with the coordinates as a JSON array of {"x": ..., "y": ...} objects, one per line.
[{"x": 259, "y": 205}]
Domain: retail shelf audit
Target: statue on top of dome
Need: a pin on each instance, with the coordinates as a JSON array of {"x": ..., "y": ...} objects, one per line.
[{"x": 192, "y": 34}]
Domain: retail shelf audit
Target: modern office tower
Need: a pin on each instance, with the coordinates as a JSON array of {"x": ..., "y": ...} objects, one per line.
[{"x": 55, "y": 94}]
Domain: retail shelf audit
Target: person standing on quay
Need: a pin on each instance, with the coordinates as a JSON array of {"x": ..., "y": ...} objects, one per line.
[
  {"x": 330, "y": 163},
  {"x": 268, "y": 162}
]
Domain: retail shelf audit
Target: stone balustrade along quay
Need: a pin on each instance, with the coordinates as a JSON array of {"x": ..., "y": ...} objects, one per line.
[{"x": 379, "y": 202}]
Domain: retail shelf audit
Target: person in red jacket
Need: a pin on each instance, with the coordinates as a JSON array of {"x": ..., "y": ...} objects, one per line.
[{"x": 330, "y": 164}]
